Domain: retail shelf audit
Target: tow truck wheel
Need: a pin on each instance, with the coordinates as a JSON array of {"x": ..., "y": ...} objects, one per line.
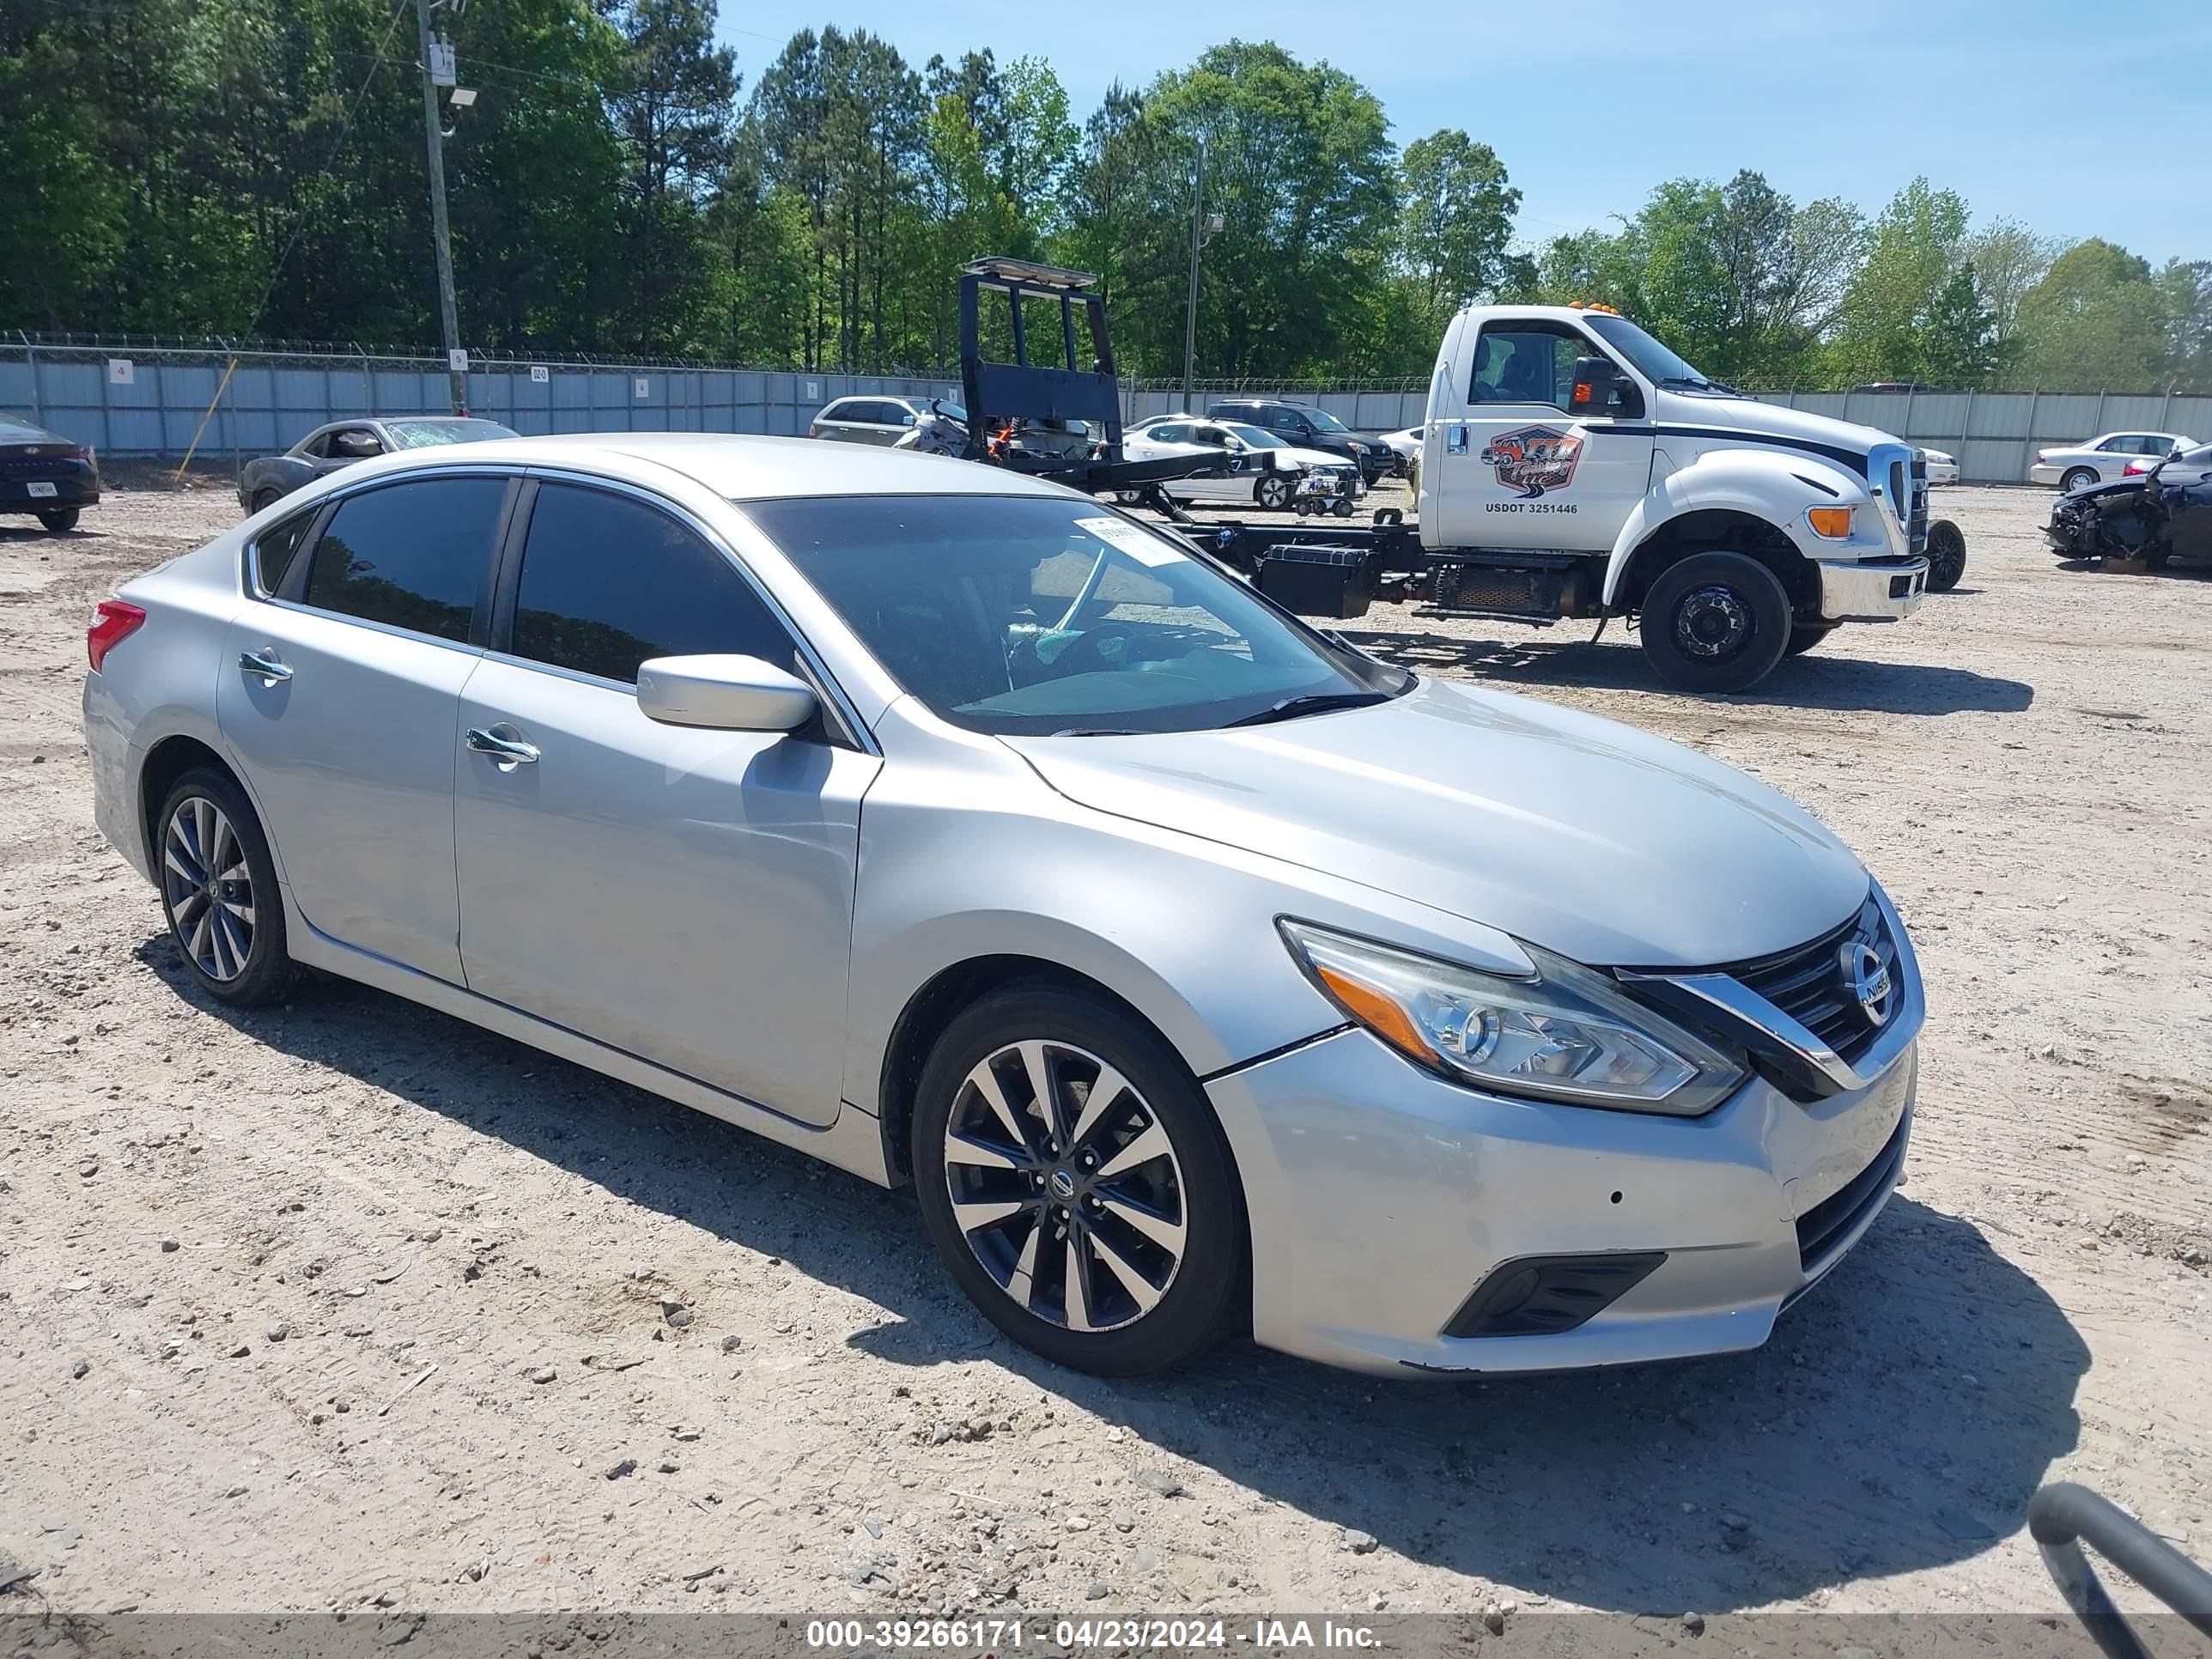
[
  {"x": 1129, "y": 497},
  {"x": 1272, "y": 491},
  {"x": 1804, "y": 639},
  {"x": 1715, "y": 621},
  {"x": 1946, "y": 555}
]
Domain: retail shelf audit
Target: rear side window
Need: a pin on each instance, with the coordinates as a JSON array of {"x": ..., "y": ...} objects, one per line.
[
  {"x": 609, "y": 582},
  {"x": 410, "y": 555},
  {"x": 274, "y": 549}
]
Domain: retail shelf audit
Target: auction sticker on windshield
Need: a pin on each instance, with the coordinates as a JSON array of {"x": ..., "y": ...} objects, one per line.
[{"x": 1139, "y": 544}]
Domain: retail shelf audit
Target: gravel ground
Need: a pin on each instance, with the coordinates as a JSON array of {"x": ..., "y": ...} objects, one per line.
[{"x": 347, "y": 1303}]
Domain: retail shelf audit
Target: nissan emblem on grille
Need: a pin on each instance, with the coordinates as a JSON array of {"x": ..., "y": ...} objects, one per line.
[{"x": 1866, "y": 978}]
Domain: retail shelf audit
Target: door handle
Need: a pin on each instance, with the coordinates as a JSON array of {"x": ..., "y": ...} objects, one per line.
[
  {"x": 265, "y": 664},
  {"x": 508, "y": 752}
]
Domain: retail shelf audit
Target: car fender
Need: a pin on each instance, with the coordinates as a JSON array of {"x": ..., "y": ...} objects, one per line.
[
  {"x": 1775, "y": 486},
  {"x": 989, "y": 860}
]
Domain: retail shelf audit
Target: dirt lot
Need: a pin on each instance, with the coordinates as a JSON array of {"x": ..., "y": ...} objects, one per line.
[{"x": 347, "y": 1302}]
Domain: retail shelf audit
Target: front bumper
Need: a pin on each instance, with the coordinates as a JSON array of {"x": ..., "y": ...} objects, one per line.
[
  {"x": 1380, "y": 1197},
  {"x": 1873, "y": 590}
]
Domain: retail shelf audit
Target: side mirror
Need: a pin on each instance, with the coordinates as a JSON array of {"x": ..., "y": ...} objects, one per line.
[
  {"x": 907, "y": 419},
  {"x": 1601, "y": 390},
  {"x": 725, "y": 693}
]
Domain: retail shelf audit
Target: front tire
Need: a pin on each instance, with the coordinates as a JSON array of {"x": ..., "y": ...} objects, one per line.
[
  {"x": 1075, "y": 1182},
  {"x": 58, "y": 520},
  {"x": 1803, "y": 638},
  {"x": 1271, "y": 491},
  {"x": 2080, "y": 477},
  {"x": 219, "y": 890},
  {"x": 1714, "y": 622},
  {"x": 1946, "y": 555}
]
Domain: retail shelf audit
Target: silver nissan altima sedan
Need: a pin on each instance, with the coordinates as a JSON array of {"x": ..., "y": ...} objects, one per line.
[{"x": 1193, "y": 965}]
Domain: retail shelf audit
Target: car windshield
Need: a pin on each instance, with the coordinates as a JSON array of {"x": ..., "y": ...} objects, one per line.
[
  {"x": 1035, "y": 615},
  {"x": 951, "y": 411},
  {"x": 422, "y": 435},
  {"x": 1655, "y": 361},
  {"x": 1258, "y": 437},
  {"x": 1324, "y": 422}
]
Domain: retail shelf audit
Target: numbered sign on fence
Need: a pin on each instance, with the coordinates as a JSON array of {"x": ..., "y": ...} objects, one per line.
[
  {"x": 121, "y": 370},
  {"x": 644, "y": 386},
  {"x": 539, "y": 374},
  {"x": 457, "y": 360}
]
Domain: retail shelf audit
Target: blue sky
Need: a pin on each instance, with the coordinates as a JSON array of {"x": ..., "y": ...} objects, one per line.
[{"x": 2080, "y": 119}]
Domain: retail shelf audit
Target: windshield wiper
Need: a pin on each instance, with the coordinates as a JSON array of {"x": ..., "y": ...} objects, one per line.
[
  {"x": 1096, "y": 731},
  {"x": 1313, "y": 702}
]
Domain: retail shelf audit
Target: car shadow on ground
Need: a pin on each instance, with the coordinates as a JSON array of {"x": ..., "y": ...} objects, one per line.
[
  {"x": 1812, "y": 681},
  {"x": 1898, "y": 1420}
]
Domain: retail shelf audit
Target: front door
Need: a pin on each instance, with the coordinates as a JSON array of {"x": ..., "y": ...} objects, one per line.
[
  {"x": 1512, "y": 467},
  {"x": 683, "y": 894},
  {"x": 338, "y": 699}
]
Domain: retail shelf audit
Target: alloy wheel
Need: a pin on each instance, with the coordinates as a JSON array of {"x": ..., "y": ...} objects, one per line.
[
  {"x": 208, "y": 888},
  {"x": 1065, "y": 1186}
]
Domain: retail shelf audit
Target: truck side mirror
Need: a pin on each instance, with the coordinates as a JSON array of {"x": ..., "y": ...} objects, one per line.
[{"x": 1601, "y": 390}]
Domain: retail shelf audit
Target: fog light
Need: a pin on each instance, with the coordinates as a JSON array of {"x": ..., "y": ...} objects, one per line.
[{"x": 1545, "y": 1295}]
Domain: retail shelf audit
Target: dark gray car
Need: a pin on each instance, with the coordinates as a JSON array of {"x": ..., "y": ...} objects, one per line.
[{"x": 342, "y": 443}]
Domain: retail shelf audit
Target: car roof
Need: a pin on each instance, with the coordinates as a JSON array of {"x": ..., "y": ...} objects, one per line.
[{"x": 741, "y": 467}]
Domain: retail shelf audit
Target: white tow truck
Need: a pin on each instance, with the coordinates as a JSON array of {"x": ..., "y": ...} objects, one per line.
[{"x": 1572, "y": 467}]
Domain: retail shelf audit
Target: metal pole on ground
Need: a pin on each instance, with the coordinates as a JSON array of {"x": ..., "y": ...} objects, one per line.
[
  {"x": 457, "y": 377},
  {"x": 1190, "y": 317}
]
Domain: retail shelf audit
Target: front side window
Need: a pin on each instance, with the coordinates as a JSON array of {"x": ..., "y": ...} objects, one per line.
[
  {"x": 409, "y": 555},
  {"x": 1525, "y": 363},
  {"x": 609, "y": 582},
  {"x": 1027, "y": 615}
]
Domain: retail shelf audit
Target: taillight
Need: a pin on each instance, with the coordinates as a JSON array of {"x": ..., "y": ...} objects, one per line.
[
  {"x": 2134, "y": 470},
  {"x": 814, "y": 428},
  {"x": 113, "y": 621}
]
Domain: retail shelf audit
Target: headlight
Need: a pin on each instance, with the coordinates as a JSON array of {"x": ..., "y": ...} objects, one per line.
[{"x": 1566, "y": 1034}]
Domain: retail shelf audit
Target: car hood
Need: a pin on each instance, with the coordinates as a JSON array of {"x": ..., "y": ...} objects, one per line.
[
  {"x": 1589, "y": 838},
  {"x": 1776, "y": 419}
]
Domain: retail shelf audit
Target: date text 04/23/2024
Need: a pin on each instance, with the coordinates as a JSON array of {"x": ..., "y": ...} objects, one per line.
[{"x": 991, "y": 1636}]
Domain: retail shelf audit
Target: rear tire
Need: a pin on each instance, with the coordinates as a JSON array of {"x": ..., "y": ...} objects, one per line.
[
  {"x": 263, "y": 499},
  {"x": 58, "y": 520},
  {"x": 2080, "y": 477},
  {"x": 219, "y": 892},
  {"x": 1146, "y": 1297},
  {"x": 1271, "y": 491},
  {"x": 1804, "y": 639},
  {"x": 1946, "y": 555},
  {"x": 1714, "y": 622}
]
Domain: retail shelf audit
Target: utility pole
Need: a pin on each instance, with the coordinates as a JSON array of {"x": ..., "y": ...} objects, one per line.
[
  {"x": 1190, "y": 318},
  {"x": 457, "y": 376}
]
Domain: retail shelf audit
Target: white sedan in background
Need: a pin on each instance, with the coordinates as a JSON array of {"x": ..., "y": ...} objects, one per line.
[
  {"x": 1268, "y": 469},
  {"x": 1406, "y": 445},
  {"x": 1942, "y": 467},
  {"x": 2100, "y": 460}
]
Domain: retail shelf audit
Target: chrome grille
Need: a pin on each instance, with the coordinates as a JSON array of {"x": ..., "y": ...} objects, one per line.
[
  {"x": 1807, "y": 982},
  {"x": 1916, "y": 526}
]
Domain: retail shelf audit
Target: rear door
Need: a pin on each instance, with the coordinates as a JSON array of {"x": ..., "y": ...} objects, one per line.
[
  {"x": 683, "y": 894},
  {"x": 338, "y": 693},
  {"x": 1517, "y": 469}
]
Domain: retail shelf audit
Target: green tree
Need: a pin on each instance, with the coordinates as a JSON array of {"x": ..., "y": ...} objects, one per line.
[
  {"x": 1889, "y": 327},
  {"x": 1457, "y": 223},
  {"x": 2097, "y": 321},
  {"x": 2187, "y": 286}
]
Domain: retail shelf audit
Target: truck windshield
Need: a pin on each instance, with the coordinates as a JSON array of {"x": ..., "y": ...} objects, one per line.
[
  {"x": 1034, "y": 616},
  {"x": 1655, "y": 361}
]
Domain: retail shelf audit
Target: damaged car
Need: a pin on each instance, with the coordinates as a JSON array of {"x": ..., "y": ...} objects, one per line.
[{"x": 2158, "y": 514}]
